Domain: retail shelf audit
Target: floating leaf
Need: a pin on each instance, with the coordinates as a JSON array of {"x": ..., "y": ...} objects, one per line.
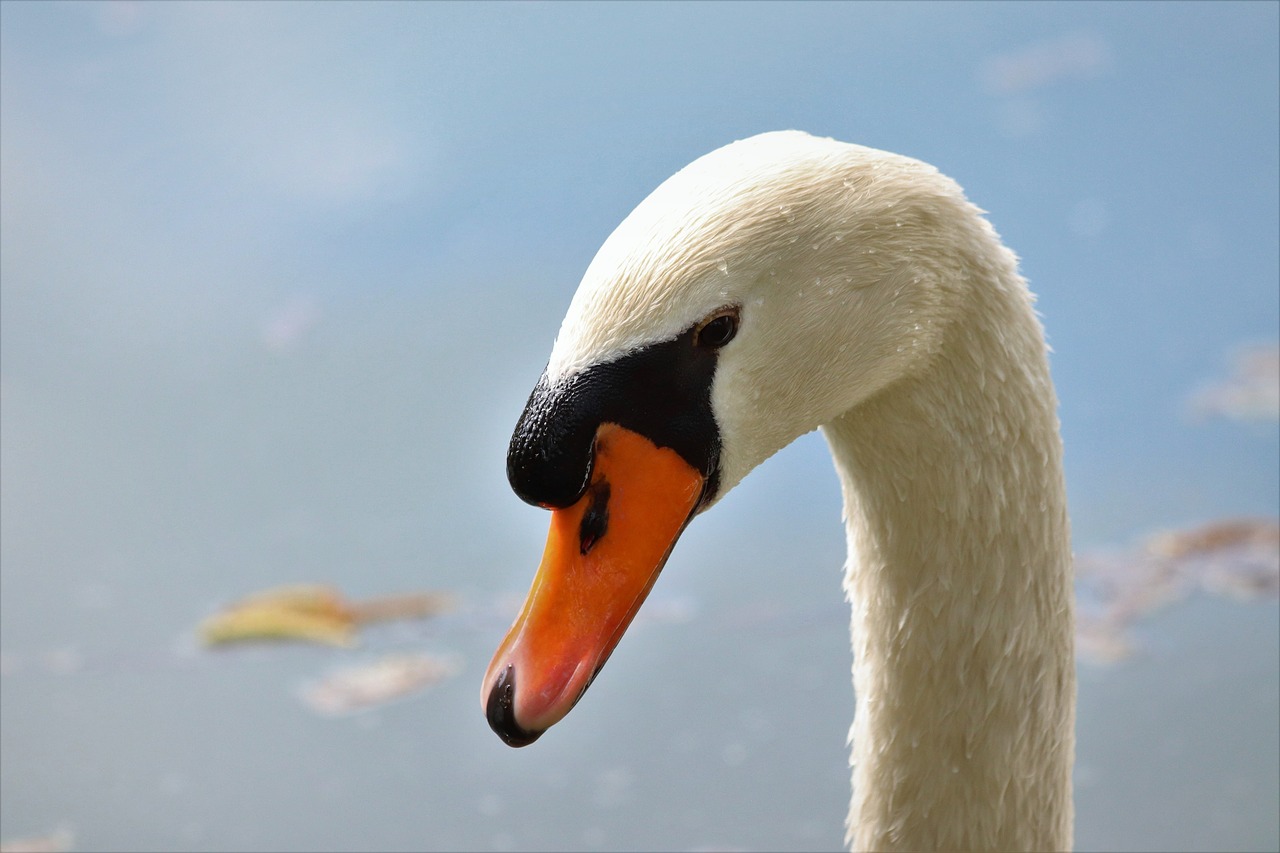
[
  {"x": 1237, "y": 557},
  {"x": 1250, "y": 393},
  {"x": 315, "y": 613},
  {"x": 411, "y": 605}
]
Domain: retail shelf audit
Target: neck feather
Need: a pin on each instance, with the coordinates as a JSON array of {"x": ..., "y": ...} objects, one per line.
[{"x": 959, "y": 577}]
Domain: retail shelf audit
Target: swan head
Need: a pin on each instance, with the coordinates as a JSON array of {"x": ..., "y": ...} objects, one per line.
[{"x": 762, "y": 291}]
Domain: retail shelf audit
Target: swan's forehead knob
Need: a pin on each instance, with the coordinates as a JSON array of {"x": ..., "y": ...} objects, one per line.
[
  {"x": 661, "y": 391},
  {"x": 549, "y": 460}
]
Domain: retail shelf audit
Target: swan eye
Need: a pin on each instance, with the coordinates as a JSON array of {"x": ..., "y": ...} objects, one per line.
[{"x": 718, "y": 330}]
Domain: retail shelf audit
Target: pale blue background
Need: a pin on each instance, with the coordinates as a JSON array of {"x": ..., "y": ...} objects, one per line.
[{"x": 275, "y": 281}]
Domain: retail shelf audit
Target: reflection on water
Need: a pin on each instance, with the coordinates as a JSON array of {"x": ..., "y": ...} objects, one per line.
[
  {"x": 361, "y": 688},
  {"x": 1238, "y": 558},
  {"x": 1250, "y": 392},
  {"x": 59, "y": 841}
]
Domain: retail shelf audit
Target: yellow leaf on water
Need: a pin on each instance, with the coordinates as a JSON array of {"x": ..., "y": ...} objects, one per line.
[
  {"x": 314, "y": 613},
  {"x": 257, "y": 622}
]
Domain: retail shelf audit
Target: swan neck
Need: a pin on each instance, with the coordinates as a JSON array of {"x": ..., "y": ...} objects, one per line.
[{"x": 959, "y": 580}]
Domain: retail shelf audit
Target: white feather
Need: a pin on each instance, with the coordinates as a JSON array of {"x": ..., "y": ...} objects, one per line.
[{"x": 877, "y": 303}]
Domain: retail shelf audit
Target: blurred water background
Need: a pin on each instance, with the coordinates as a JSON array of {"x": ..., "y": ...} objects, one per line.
[{"x": 276, "y": 279}]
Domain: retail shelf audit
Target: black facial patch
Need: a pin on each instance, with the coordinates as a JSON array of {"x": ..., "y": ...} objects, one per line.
[{"x": 662, "y": 392}]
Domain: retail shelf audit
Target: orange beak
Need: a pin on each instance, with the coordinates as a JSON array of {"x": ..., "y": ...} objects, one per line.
[{"x": 603, "y": 554}]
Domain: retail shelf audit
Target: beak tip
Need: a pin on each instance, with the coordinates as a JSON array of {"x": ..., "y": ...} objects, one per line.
[{"x": 500, "y": 712}]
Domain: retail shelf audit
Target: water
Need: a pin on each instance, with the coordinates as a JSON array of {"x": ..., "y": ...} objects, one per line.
[{"x": 277, "y": 283}]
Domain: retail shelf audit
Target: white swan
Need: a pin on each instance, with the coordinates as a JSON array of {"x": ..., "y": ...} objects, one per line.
[{"x": 786, "y": 283}]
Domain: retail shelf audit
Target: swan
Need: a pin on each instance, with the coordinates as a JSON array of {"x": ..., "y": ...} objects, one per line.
[{"x": 786, "y": 283}]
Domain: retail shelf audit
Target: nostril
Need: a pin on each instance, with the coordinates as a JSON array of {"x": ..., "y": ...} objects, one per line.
[
  {"x": 500, "y": 712},
  {"x": 595, "y": 519}
]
